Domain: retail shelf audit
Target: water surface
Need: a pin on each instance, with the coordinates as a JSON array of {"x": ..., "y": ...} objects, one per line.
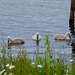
[{"x": 23, "y": 18}]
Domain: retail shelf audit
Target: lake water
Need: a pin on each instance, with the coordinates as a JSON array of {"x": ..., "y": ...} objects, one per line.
[{"x": 23, "y": 18}]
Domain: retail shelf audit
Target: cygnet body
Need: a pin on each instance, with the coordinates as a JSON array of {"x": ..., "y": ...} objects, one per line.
[
  {"x": 62, "y": 36},
  {"x": 36, "y": 37},
  {"x": 15, "y": 41}
]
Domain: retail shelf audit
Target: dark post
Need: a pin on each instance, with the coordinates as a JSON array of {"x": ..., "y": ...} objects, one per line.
[
  {"x": 72, "y": 28},
  {"x": 71, "y": 19}
]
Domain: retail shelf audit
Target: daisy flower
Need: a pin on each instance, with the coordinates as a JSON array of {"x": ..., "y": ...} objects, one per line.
[
  {"x": 33, "y": 63},
  {"x": 11, "y": 66},
  {"x": 39, "y": 66},
  {"x": 71, "y": 60},
  {"x": 7, "y": 65}
]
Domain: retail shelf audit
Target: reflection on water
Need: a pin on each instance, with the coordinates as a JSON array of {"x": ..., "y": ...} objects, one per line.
[
  {"x": 10, "y": 45},
  {"x": 73, "y": 55},
  {"x": 73, "y": 46},
  {"x": 37, "y": 43}
]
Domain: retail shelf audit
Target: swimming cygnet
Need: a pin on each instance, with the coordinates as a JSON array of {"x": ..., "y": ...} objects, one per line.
[
  {"x": 36, "y": 37},
  {"x": 15, "y": 41},
  {"x": 63, "y": 37}
]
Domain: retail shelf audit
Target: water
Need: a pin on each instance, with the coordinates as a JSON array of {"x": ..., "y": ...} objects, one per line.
[{"x": 23, "y": 18}]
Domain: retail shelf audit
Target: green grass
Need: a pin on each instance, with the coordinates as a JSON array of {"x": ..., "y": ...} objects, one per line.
[{"x": 42, "y": 65}]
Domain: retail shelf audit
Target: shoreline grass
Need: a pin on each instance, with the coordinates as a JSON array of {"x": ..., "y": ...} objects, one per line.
[{"x": 42, "y": 65}]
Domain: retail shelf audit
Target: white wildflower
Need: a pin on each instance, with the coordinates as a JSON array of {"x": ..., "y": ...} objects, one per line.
[
  {"x": 11, "y": 67},
  {"x": 67, "y": 71},
  {"x": 10, "y": 74},
  {"x": 66, "y": 74},
  {"x": 5, "y": 73},
  {"x": 33, "y": 63},
  {"x": 2, "y": 71},
  {"x": 7, "y": 65},
  {"x": 39, "y": 66},
  {"x": 71, "y": 60}
]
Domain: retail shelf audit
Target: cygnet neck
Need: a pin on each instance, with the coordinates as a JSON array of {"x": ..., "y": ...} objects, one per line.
[{"x": 37, "y": 37}]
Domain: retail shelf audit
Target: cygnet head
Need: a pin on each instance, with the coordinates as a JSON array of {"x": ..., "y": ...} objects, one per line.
[
  {"x": 37, "y": 34},
  {"x": 9, "y": 39},
  {"x": 68, "y": 34}
]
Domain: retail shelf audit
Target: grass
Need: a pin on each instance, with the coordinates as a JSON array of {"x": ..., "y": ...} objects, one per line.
[{"x": 42, "y": 65}]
